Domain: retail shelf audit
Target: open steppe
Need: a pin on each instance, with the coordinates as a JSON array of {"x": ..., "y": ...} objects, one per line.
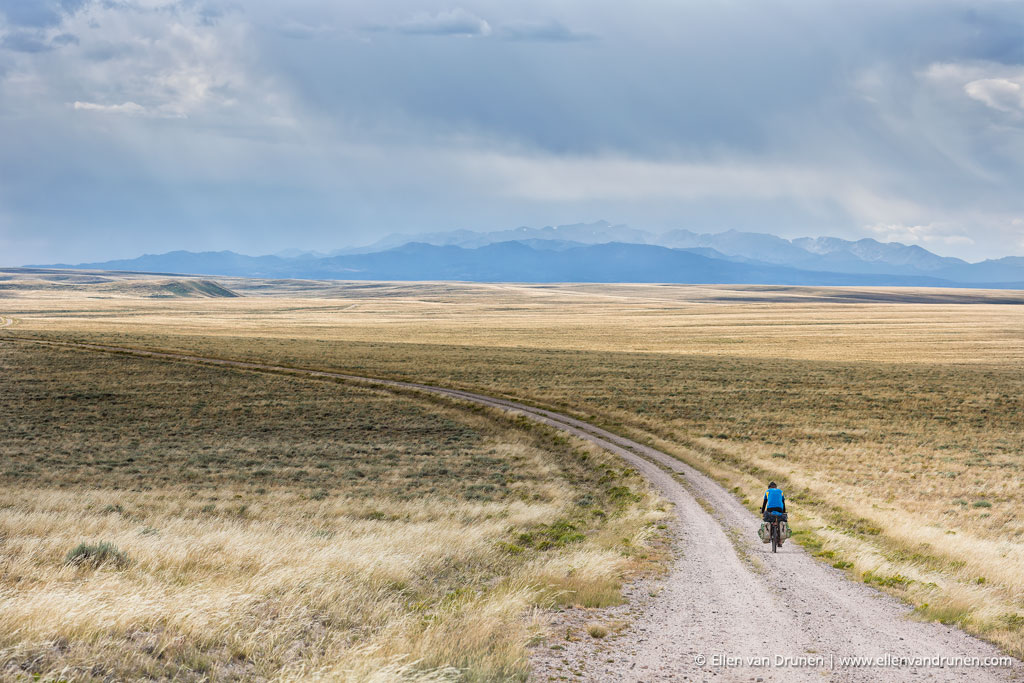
[
  {"x": 891, "y": 417},
  {"x": 192, "y": 523}
]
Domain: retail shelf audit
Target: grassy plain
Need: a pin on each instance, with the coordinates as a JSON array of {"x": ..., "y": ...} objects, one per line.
[
  {"x": 266, "y": 527},
  {"x": 892, "y": 417}
]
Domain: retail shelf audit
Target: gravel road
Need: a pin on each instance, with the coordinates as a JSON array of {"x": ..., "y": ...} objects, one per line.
[{"x": 728, "y": 610}]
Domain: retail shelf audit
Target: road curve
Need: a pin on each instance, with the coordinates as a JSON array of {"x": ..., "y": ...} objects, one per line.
[{"x": 791, "y": 618}]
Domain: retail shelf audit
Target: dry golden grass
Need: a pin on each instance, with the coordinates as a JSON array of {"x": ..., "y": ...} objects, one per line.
[
  {"x": 874, "y": 324},
  {"x": 892, "y": 417},
  {"x": 287, "y": 529}
]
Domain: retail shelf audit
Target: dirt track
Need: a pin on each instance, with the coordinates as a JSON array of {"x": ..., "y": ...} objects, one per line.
[{"x": 716, "y": 602}]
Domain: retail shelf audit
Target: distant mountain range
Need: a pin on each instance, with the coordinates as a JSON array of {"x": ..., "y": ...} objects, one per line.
[{"x": 602, "y": 252}]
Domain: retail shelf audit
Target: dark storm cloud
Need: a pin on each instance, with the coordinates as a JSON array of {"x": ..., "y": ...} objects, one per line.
[
  {"x": 994, "y": 33},
  {"x": 210, "y": 15},
  {"x": 102, "y": 51},
  {"x": 72, "y": 6},
  {"x": 30, "y": 13},
  {"x": 38, "y": 13},
  {"x": 25, "y": 41},
  {"x": 35, "y": 41}
]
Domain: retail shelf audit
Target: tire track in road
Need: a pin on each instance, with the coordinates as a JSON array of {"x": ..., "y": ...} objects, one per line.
[{"x": 800, "y": 615}]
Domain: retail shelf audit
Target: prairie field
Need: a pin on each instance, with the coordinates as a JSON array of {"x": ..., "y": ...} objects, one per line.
[
  {"x": 891, "y": 417},
  {"x": 162, "y": 520}
]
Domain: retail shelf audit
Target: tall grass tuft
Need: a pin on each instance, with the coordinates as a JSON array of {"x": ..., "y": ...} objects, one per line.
[{"x": 97, "y": 555}]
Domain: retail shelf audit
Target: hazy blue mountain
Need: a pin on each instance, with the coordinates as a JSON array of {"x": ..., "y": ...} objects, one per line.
[
  {"x": 300, "y": 253},
  {"x": 870, "y": 254},
  {"x": 516, "y": 261},
  {"x": 828, "y": 254},
  {"x": 571, "y": 253},
  {"x": 749, "y": 245},
  {"x": 461, "y": 238},
  {"x": 212, "y": 262},
  {"x": 550, "y": 245},
  {"x": 1006, "y": 269},
  {"x": 864, "y": 256}
]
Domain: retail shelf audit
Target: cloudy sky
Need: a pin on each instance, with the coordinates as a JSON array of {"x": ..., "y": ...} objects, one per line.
[{"x": 131, "y": 126}]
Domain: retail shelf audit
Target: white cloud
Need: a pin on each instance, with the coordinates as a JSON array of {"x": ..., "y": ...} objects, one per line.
[
  {"x": 954, "y": 72},
  {"x": 130, "y": 108},
  {"x": 151, "y": 58},
  {"x": 970, "y": 235},
  {"x": 932, "y": 233},
  {"x": 997, "y": 93},
  {"x": 997, "y": 86}
]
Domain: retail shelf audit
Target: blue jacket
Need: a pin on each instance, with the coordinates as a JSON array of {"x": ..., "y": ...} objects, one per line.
[{"x": 773, "y": 498}]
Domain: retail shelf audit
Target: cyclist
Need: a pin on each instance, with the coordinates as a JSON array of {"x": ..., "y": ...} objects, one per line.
[{"x": 774, "y": 502}]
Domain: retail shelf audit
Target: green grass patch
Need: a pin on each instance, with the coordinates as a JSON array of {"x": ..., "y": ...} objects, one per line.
[
  {"x": 894, "y": 581},
  {"x": 97, "y": 555}
]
